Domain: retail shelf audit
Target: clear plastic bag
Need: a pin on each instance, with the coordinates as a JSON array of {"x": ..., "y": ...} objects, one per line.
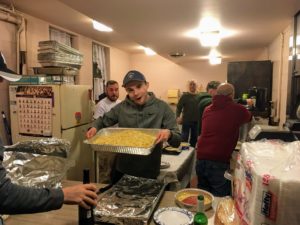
[
  {"x": 267, "y": 182},
  {"x": 226, "y": 213}
]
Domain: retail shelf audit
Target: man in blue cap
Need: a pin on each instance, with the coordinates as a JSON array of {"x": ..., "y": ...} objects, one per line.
[
  {"x": 140, "y": 109},
  {"x": 15, "y": 199}
]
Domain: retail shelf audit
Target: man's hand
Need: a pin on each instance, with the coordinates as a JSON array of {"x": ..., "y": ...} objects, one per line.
[
  {"x": 163, "y": 135},
  {"x": 82, "y": 194},
  {"x": 91, "y": 133}
]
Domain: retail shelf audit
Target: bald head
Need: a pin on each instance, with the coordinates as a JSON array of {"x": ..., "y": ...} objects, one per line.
[
  {"x": 225, "y": 89},
  {"x": 192, "y": 86}
]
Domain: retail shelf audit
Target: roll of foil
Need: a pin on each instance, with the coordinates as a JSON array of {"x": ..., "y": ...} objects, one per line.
[
  {"x": 37, "y": 163},
  {"x": 130, "y": 201}
]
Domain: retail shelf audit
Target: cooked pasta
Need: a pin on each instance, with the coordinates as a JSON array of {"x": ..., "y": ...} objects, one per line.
[{"x": 126, "y": 138}]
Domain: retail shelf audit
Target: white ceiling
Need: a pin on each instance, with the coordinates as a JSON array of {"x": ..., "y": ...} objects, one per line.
[{"x": 162, "y": 24}]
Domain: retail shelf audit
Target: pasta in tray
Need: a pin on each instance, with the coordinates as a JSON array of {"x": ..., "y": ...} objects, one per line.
[{"x": 128, "y": 138}]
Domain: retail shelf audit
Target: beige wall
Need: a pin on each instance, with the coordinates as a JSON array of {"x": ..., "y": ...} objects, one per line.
[
  {"x": 278, "y": 52},
  {"x": 38, "y": 30},
  {"x": 119, "y": 61},
  {"x": 264, "y": 55},
  {"x": 163, "y": 74},
  {"x": 119, "y": 65},
  {"x": 160, "y": 72},
  {"x": 7, "y": 45},
  {"x": 86, "y": 70}
]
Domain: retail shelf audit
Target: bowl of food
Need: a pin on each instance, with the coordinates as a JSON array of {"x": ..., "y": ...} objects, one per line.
[{"x": 187, "y": 198}]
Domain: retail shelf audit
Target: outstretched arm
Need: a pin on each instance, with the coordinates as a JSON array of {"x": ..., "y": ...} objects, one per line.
[{"x": 82, "y": 194}]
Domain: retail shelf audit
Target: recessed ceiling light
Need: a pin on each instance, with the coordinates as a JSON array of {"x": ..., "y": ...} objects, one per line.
[
  {"x": 209, "y": 32},
  {"x": 208, "y": 24},
  {"x": 210, "y": 38},
  {"x": 224, "y": 33},
  {"x": 149, "y": 51},
  {"x": 213, "y": 53},
  {"x": 101, "y": 27},
  {"x": 214, "y": 57},
  {"x": 215, "y": 60}
]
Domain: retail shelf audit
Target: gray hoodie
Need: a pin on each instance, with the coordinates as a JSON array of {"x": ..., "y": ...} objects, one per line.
[{"x": 155, "y": 113}]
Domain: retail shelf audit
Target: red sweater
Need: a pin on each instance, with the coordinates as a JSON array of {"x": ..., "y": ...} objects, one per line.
[{"x": 220, "y": 129}]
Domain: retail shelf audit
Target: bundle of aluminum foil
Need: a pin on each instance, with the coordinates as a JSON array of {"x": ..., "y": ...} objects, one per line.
[
  {"x": 37, "y": 163},
  {"x": 130, "y": 201},
  {"x": 53, "y": 53}
]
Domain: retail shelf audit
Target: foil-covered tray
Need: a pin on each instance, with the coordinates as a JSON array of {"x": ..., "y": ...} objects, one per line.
[
  {"x": 131, "y": 201},
  {"x": 37, "y": 163},
  {"x": 122, "y": 148}
]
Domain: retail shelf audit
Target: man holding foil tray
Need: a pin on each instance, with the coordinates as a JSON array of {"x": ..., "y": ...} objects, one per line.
[{"x": 140, "y": 109}]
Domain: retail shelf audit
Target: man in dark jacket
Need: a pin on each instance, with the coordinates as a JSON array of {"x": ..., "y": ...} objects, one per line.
[
  {"x": 205, "y": 99},
  {"x": 187, "y": 114},
  {"x": 140, "y": 109},
  {"x": 220, "y": 131},
  {"x": 15, "y": 199}
]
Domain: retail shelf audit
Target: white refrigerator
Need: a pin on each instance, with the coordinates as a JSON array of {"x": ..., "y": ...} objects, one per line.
[{"x": 55, "y": 110}]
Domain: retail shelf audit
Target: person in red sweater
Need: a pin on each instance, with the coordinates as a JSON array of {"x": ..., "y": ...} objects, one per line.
[{"x": 220, "y": 131}]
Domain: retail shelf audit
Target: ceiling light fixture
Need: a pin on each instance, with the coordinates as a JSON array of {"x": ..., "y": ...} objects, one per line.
[
  {"x": 210, "y": 38},
  {"x": 209, "y": 32},
  {"x": 149, "y": 51},
  {"x": 214, "y": 57},
  {"x": 101, "y": 27},
  {"x": 209, "y": 23},
  {"x": 215, "y": 60}
]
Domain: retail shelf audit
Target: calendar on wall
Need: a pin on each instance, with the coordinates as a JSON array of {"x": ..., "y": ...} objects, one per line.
[{"x": 34, "y": 106}]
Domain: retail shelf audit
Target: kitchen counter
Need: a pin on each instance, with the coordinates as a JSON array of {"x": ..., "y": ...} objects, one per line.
[{"x": 68, "y": 214}]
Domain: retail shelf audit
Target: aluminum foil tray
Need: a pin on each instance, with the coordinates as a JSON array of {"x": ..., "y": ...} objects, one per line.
[
  {"x": 122, "y": 149},
  {"x": 57, "y": 64},
  {"x": 131, "y": 201},
  {"x": 38, "y": 163},
  {"x": 63, "y": 57},
  {"x": 54, "y": 45},
  {"x": 57, "y": 71}
]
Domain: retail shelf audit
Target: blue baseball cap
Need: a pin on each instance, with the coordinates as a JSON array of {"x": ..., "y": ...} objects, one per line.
[{"x": 133, "y": 75}]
